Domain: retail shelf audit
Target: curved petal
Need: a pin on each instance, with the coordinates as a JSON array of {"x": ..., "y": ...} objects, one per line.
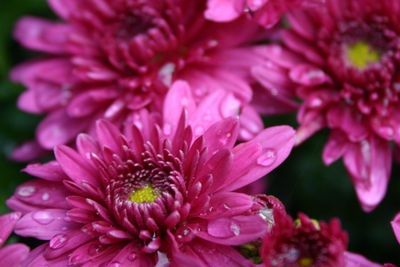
[
  {"x": 234, "y": 231},
  {"x": 396, "y": 226},
  {"x": 369, "y": 164},
  {"x": 335, "y": 147},
  {"x": 44, "y": 224},
  {"x": 178, "y": 98},
  {"x": 254, "y": 159},
  {"x": 224, "y": 10},
  {"x": 7, "y": 223},
  {"x": 42, "y": 35},
  {"x": 13, "y": 255},
  {"x": 75, "y": 166},
  {"x": 38, "y": 194},
  {"x": 58, "y": 128},
  {"x": 355, "y": 260},
  {"x": 50, "y": 171}
]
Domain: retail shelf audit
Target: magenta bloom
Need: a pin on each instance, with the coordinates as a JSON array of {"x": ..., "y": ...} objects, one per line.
[
  {"x": 306, "y": 242},
  {"x": 265, "y": 12},
  {"x": 156, "y": 194},
  {"x": 108, "y": 59},
  {"x": 14, "y": 254},
  {"x": 343, "y": 61}
]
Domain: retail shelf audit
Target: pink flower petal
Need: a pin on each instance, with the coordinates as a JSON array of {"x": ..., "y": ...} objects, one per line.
[
  {"x": 75, "y": 166},
  {"x": 36, "y": 258},
  {"x": 62, "y": 243},
  {"x": 38, "y": 194},
  {"x": 50, "y": 171},
  {"x": 351, "y": 122},
  {"x": 178, "y": 98},
  {"x": 13, "y": 255},
  {"x": 44, "y": 224},
  {"x": 224, "y": 10},
  {"x": 356, "y": 260},
  {"x": 256, "y": 158},
  {"x": 234, "y": 231},
  {"x": 42, "y": 35},
  {"x": 7, "y": 222},
  {"x": 227, "y": 204},
  {"x": 335, "y": 147},
  {"x": 308, "y": 75},
  {"x": 369, "y": 164},
  {"x": 301, "y": 23},
  {"x": 250, "y": 122},
  {"x": 222, "y": 134},
  {"x": 28, "y": 151},
  {"x": 58, "y": 128},
  {"x": 109, "y": 135},
  {"x": 396, "y": 226}
]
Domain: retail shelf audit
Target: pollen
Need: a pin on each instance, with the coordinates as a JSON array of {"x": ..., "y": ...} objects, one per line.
[
  {"x": 361, "y": 54},
  {"x": 305, "y": 262},
  {"x": 146, "y": 194}
]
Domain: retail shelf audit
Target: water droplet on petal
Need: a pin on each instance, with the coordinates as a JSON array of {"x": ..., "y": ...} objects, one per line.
[
  {"x": 316, "y": 102},
  {"x": 186, "y": 232},
  {"x": 43, "y": 217},
  {"x": 267, "y": 158},
  {"x": 167, "y": 129},
  {"x": 26, "y": 191},
  {"x": 268, "y": 215},
  {"x": 235, "y": 229},
  {"x": 115, "y": 264},
  {"x": 45, "y": 196},
  {"x": 58, "y": 241},
  {"x": 132, "y": 257},
  {"x": 95, "y": 249}
]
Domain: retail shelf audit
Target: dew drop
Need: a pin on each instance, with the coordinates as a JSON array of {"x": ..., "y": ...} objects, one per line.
[
  {"x": 26, "y": 191},
  {"x": 115, "y": 264},
  {"x": 58, "y": 241},
  {"x": 45, "y": 196},
  {"x": 95, "y": 250},
  {"x": 235, "y": 229},
  {"x": 186, "y": 232},
  {"x": 132, "y": 257},
  {"x": 267, "y": 158},
  {"x": 316, "y": 102},
  {"x": 267, "y": 215},
  {"x": 226, "y": 207},
  {"x": 43, "y": 217},
  {"x": 167, "y": 129}
]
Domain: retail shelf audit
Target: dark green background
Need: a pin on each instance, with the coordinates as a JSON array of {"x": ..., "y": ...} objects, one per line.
[{"x": 302, "y": 182}]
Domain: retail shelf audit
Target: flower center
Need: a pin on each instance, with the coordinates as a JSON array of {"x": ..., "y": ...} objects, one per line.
[
  {"x": 361, "y": 54},
  {"x": 146, "y": 194},
  {"x": 305, "y": 262}
]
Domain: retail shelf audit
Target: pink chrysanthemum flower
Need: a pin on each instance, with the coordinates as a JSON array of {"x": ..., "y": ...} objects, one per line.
[
  {"x": 265, "y": 12},
  {"x": 307, "y": 243},
  {"x": 343, "y": 59},
  {"x": 155, "y": 195},
  {"x": 14, "y": 254},
  {"x": 110, "y": 58}
]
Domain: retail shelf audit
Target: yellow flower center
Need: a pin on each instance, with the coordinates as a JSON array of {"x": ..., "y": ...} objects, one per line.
[
  {"x": 145, "y": 194},
  {"x": 305, "y": 262},
  {"x": 361, "y": 54}
]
